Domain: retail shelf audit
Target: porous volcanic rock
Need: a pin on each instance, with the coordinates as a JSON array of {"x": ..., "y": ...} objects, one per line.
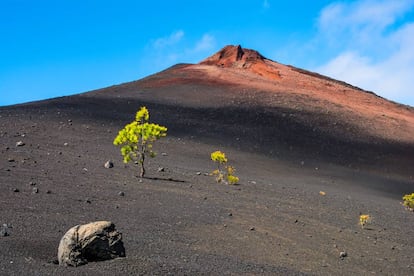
[{"x": 95, "y": 241}]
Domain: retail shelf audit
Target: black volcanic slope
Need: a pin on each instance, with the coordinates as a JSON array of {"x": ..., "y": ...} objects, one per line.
[{"x": 289, "y": 133}]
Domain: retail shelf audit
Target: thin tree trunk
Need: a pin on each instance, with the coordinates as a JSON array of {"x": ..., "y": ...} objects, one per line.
[{"x": 141, "y": 161}]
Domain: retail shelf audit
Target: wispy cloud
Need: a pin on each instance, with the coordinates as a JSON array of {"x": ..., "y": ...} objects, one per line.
[
  {"x": 373, "y": 51},
  {"x": 175, "y": 48},
  {"x": 206, "y": 43},
  {"x": 172, "y": 39}
]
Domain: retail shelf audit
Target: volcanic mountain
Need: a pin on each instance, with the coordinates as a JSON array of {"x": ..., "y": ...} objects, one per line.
[{"x": 312, "y": 154}]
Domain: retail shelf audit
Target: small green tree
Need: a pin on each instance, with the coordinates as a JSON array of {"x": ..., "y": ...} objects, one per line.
[
  {"x": 226, "y": 174},
  {"x": 136, "y": 138}
]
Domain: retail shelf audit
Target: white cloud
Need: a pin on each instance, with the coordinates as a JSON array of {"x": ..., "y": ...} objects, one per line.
[
  {"x": 172, "y": 39},
  {"x": 372, "y": 51},
  {"x": 206, "y": 43},
  {"x": 175, "y": 48}
]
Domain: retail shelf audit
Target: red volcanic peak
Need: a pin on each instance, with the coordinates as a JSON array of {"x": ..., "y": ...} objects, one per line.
[
  {"x": 242, "y": 58},
  {"x": 233, "y": 56}
]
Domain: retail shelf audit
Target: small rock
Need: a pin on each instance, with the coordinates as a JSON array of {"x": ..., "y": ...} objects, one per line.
[
  {"x": 343, "y": 254},
  {"x": 161, "y": 169},
  {"x": 20, "y": 144},
  {"x": 16, "y": 190},
  {"x": 32, "y": 183},
  {"x": 121, "y": 193},
  {"x": 252, "y": 228},
  {"x": 4, "y": 231},
  {"x": 109, "y": 164},
  {"x": 230, "y": 214},
  {"x": 48, "y": 191},
  {"x": 10, "y": 160},
  {"x": 164, "y": 154},
  {"x": 35, "y": 190},
  {"x": 65, "y": 144},
  {"x": 198, "y": 173},
  {"x": 88, "y": 201}
]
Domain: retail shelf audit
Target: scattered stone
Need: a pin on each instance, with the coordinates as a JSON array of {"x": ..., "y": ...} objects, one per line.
[
  {"x": 16, "y": 190},
  {"x": 164, "y": 154},
  {"x": 4, "y": 231},
  {"x": 32, "y": 183},
  {"x": 206, "y": 174},
  {"x": 109, "y": 164},
  {"x": 95, "y": 241},
  {"x": 48, "y": 191},
  {"x": 88, "y": 201},
  {"x": 252, "y": 228},
  {"x": 35, "y": 190},
  {"x": 65, "y": 144},
  {"x": 161, "y": 169},
  {"x": 198, "y": 173},
  {"x": 20, "y": 144},
  {"x": 11, "y": 160},
  {"x": 342, "y": 255},
  {"x": 121, "y": 193},
  {"x": 230, "y": 214}
]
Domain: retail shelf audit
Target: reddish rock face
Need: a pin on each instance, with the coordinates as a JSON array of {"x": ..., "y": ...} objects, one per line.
[
  {"x": 238, "y": 57},
  {"x": 234, "y": 56}
]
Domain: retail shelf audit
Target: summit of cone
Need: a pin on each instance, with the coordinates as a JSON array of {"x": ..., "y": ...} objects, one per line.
[{"x": 234, "y": 56}]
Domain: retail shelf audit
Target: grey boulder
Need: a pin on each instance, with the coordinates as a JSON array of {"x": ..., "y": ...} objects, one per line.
[{"x": 95, "y": 241}]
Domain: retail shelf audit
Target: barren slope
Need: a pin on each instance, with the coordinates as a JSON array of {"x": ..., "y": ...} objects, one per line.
[{"x": 289, "y": 133}]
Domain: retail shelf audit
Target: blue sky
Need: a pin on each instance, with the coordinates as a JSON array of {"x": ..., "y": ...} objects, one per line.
[{"x": 51, "y": 48}]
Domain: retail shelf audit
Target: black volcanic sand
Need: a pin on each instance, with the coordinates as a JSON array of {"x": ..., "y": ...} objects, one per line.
[{"x": 179, "y": 221}]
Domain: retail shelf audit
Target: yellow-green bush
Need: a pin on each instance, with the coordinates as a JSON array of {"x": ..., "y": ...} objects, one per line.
[
  {"x": 408, "y": 201},
  {"x": 226, "y": 174},
  {"x": 136, "y": 138},
  {"x": 364, "y": 220}
]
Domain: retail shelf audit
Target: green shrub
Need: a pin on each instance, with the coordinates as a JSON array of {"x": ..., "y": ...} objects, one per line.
[
  {"x": 408, "y": 201},
  {"x": 136, "y": 138},
  {"x": 364, "y": 220},
  {"x": 223, "y": 173}
]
